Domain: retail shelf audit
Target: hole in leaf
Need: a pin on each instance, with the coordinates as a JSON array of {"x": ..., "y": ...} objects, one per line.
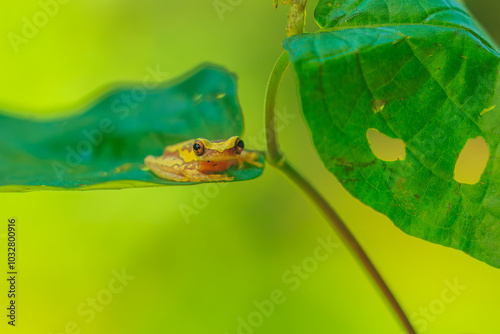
[
  {"x": 385, "y": 147},
  {"x": 472, "y": 161}
]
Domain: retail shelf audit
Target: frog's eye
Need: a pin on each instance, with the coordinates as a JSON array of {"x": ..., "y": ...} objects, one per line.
[
  {"x": 239, "y": 145},
  {"x": 198, "y": 147}
]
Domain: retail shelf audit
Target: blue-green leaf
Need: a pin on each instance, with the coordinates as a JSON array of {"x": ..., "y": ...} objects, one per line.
[{"x": 104, "y": 145}]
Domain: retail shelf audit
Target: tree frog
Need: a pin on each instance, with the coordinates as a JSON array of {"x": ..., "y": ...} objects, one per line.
[{"x": 200, "y": 159}]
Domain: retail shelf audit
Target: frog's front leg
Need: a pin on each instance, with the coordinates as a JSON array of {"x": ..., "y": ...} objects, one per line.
[{"x": 248, "y": 157}]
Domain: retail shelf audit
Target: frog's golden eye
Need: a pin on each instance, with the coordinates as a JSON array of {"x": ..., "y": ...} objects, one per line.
[
  {"x": 198, "y": 147},
  {"x": 239, "y": 145}
]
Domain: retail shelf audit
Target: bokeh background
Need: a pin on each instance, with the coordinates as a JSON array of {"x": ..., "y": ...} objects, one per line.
[{"x": 203, "y": 274}]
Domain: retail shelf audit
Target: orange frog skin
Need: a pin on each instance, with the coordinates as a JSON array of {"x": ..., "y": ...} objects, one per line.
[{"x": 199, "y": 160}]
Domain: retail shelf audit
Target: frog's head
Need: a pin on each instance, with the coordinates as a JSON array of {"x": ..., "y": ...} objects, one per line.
[
  {"x": 218, "y": 150},
  {"x": 217, "y": 155}
]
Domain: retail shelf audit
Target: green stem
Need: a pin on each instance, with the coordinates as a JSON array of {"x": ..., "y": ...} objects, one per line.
[
  {"x": 274, "y": 153},
  {"x": 276, "y": 158}
]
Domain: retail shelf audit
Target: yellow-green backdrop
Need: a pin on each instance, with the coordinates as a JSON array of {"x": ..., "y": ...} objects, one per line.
[{"x": 215, "y": 271}]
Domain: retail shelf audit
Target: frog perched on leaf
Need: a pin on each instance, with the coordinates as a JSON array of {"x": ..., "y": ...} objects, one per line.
[{"x": 201, "y": 160}]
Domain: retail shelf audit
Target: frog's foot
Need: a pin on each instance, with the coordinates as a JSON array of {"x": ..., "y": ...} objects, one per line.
[
  {"x": 197, "y": 176},
  {"x": 249, "y": 157}
]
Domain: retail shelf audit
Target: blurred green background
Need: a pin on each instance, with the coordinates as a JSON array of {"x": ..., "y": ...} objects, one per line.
[{"x": 206, "y": 273}]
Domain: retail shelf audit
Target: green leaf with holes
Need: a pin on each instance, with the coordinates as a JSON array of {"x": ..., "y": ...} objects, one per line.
[
  {"x": 422, "y": 72},
  {"x": 104, "y": 145}
]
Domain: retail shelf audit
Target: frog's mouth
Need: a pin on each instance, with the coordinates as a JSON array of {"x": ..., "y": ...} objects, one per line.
[{"x": 215, "y": 166}]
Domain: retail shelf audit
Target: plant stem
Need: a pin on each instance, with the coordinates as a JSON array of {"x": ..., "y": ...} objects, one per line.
[
  {"x": 274, "y": 153},
  {"x": 276, "y": 158}
]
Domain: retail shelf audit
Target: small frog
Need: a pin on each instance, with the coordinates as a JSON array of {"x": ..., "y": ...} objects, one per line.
[{"x": 201, "y": 159}]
